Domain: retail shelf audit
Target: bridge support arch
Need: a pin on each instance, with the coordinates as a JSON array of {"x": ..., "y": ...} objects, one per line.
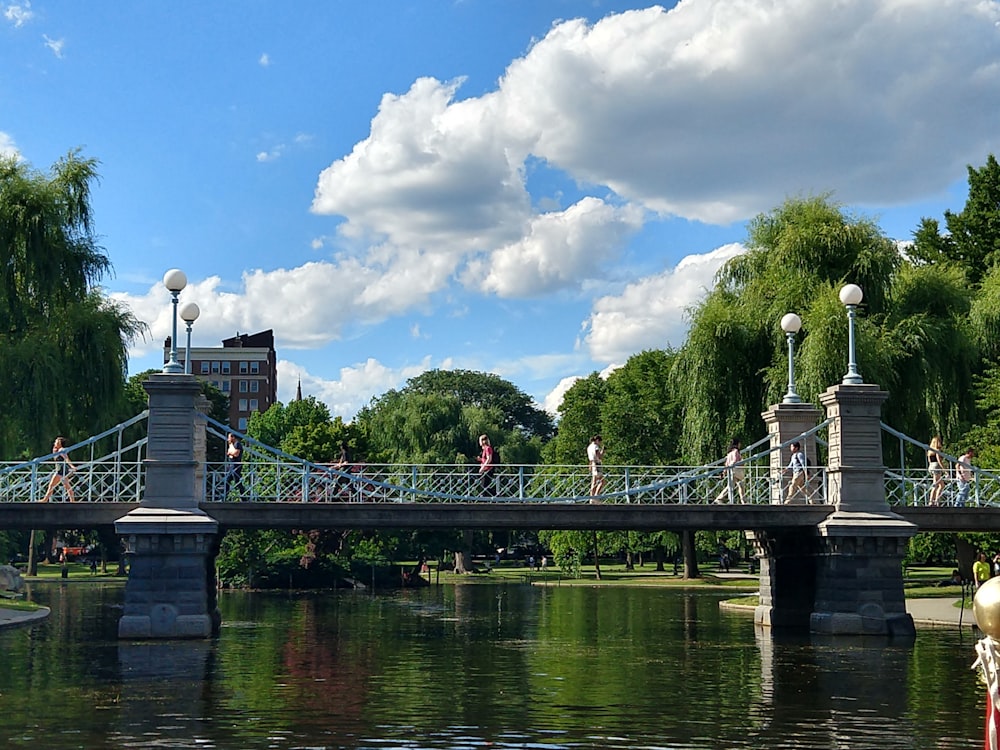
[
  {"x": 171, "y": 542},
  {"x": 846, "y": 577}
]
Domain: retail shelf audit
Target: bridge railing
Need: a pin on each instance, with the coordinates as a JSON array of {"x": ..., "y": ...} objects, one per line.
[
  {"x": 101, "y": 475},
  {"x": 910, "y": 485}
]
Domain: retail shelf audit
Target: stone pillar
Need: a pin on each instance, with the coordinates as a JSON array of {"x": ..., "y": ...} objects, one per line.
[
  {"x": 787, "y": 578},
  {"x": 859, "y": 576},
  {"x": 786, "y": 422},
  {"x": 171, "y": 542}
]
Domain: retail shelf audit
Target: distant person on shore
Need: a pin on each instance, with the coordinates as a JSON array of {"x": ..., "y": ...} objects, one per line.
[
  {"x": 797, "y": 468},
  {"x": 733, "y": 474},
  {"x": 964, "y": 475},
  {"x": 64, "y": 467},
  {"x": 487, "y": 463},
  {"x": 981, "y": 572},
  {"x": 595, "y": 457},
  {"x": 935, "y": 467}
]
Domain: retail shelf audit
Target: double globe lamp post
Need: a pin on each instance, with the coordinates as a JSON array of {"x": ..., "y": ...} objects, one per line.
[
  {"x": 851, "y": 296},
  {"x": 175, "y": 280}
]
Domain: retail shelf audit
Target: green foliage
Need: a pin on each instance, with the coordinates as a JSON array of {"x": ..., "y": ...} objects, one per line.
[
  {"x": 63, "y": 346},
  {"x": 438, "y": 417},
  {"x": 579, "y": 421}
]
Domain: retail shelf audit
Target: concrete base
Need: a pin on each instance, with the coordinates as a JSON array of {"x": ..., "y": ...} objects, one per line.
[
  {"x": 170, "y": 591},
  {"x": 859, "y": 576}
]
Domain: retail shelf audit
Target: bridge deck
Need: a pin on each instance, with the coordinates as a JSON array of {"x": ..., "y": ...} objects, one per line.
[{"x": 496, "y": 515}]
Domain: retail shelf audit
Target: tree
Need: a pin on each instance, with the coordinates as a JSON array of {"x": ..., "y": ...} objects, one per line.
[
  {"x": 579, "y": 420},
  {"x": 63, "y": 346},
  {"x": 640, "y": 414},
  {"x": 913, "y": 337}
]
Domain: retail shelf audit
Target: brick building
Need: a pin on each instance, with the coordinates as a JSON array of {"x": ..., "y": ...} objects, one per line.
[{"x": 245, "y": 368}]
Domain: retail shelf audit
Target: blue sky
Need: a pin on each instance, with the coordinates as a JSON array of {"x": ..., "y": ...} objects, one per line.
[{"x": 537, "y": 189}]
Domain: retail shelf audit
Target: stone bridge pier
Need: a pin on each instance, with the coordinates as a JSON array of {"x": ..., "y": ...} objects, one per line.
[
  {"x": 846, "y": 577},
  {"x": 171, "y": 542}
]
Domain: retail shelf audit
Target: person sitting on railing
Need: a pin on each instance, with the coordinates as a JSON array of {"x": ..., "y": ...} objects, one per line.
[{"x": 963, "y": 474}]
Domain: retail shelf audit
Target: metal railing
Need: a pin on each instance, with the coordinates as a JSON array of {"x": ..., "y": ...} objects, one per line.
[
  {"x": 115, "y": 475},
  {"x": 112, "y": 469},
  {"x": 911, "y": 485}
]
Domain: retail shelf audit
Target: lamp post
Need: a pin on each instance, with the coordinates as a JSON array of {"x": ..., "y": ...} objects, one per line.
[
  {"x": 850, "y": 296},
  {"x": 189, "y": 314},
  {"x": 791, "y": 324},
  {"x": 174, "y": 280}
]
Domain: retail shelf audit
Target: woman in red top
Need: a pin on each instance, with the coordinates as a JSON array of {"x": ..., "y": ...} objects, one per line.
[{"x": 487, "y": 462}]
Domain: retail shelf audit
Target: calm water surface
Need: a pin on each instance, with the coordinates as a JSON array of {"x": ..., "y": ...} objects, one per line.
[{"x": 480, "y": 666}]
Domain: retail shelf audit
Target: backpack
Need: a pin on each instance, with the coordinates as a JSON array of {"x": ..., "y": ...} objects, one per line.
[{"x": 496, "y": 456}]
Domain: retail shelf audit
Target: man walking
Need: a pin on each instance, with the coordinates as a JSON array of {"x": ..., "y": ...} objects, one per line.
[
  {"x": 963, "y": 473},
  {"x": 797, "y": 467},
  {"x": 234, "y": 463}
]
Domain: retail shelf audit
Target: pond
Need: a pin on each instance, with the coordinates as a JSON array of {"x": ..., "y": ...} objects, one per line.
[{"x": 477, "y": 666}]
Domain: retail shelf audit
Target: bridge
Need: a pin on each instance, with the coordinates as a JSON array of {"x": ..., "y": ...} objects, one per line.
[
  {"x": 150, "y": 478},
  {"x": 281, "y": 491}
]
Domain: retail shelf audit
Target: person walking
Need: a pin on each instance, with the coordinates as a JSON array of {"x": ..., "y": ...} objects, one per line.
[
  {"x": 595, "y": 457},
  {"x": 964, "y": 475},
  {"x": 935, "y": 467},
  {"x": 733, "y": 474},
  {"x": 64, "y": 467},
  {"x": 487, "y": 463},
  {"x": 234, "y": 463},
  {"x": 797, "y": 467}
]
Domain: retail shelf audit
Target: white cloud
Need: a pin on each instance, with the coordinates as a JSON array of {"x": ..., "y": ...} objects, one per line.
[
  {"x": 298, "y": 303},
  {"x": 18, "y": 14},
  {"x": 555, "y": 397},
  {"x": 56, "y": 45},
  {"x": 8, "y": 147},
  {"x": 264, "y": 60},
  {"x": 714, "y": 111},
  {"x": 650, "y": 313},
  {"x": 717, "y": 110},
  {"x": 353, "y": 389},
  {"x": 559, "y": 249}
]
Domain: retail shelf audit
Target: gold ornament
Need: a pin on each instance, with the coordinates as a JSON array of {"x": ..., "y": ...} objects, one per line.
[{"x": 986, "y": 608}]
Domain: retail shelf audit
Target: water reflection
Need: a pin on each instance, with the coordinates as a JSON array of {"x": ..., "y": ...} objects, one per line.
[{"x": 499, "y": 666}]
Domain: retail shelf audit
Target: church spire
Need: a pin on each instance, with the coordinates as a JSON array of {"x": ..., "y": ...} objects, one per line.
[{"x": 298, "y": 391}]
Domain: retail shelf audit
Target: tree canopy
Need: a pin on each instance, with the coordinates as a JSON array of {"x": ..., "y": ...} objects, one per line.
[{"x": 63, "y": 345}]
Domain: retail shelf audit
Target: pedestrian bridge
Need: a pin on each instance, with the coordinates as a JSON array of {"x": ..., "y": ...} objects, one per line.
[{"x": 273, "y": 489}]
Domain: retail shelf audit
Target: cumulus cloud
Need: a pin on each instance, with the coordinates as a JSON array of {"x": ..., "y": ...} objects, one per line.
[
  {"x": 312, "y": 301},
  {"x": 558, "y": 249},
  {"x": 650, "y": 313},
  {"x": 713, "y": 111},
  {"x": 18, "y": 14},
  {"x": 354, "y": 387},
  {"x": 7, "y": 146}
]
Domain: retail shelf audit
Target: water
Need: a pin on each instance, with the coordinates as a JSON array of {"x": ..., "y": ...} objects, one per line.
[{"x": 476, "y": 667}]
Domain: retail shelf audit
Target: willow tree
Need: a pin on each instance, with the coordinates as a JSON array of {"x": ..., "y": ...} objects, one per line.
[
  {"x": 63, "y": 345},
  {"x": 913, "y": 336}
]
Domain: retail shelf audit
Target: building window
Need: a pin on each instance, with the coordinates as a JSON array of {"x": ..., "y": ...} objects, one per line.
[
  {"x": 225, "y": 368},
  {"x": 254, "y": 386},
  {"x": 254, "y": 368},
  {"x": 243, "y": 368},
  {"x": 225, "y": 386},
  {"x": 242, "y": 424},
  {"x": 215, "y": 368},
  {"x": 204, "y": 368},
  {"x": 243, "y": 404},
  {"x": 254, "y": 405},
  {"x": 243, "y": 386}
]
